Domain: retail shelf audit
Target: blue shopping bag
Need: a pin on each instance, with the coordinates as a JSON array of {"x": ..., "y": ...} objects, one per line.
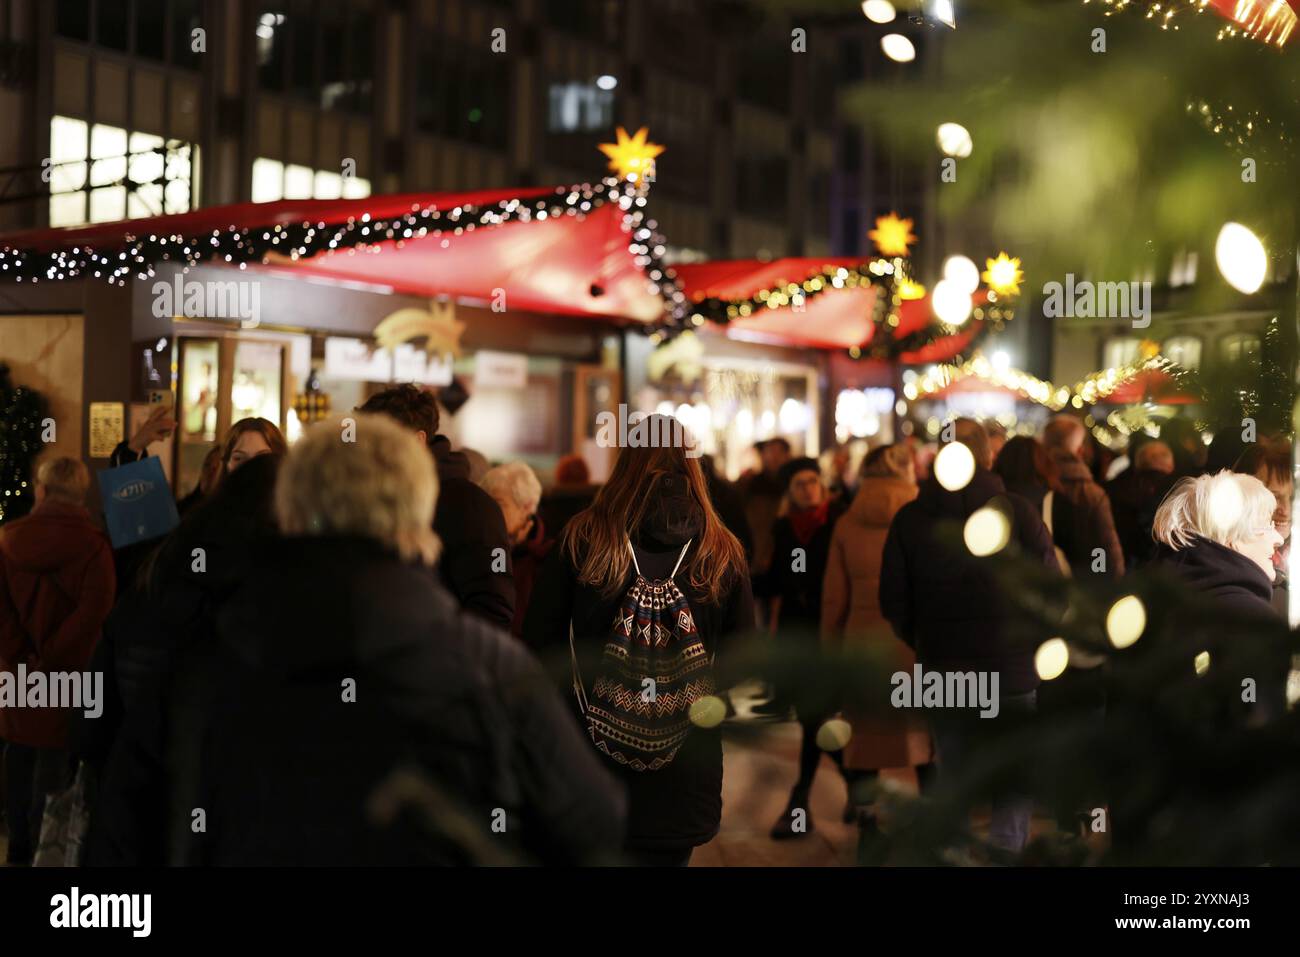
[{"x": 138, "y": 503}]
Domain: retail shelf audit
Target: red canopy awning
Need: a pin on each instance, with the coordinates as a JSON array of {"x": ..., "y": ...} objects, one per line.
[
  {"x": 834, "y": 319},
  {"x": 567, "y": 264},
  {"x": 1150, "y": 385}
]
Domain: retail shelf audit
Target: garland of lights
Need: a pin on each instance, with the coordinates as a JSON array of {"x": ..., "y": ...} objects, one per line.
[
  {"x": 240, "y": 246},
  {"x": 1091, "y": 390},
  {"x": 936, "y": 380},
  {"x": 893, "y": 286},
  {"x": 631, "y": 159},
  {"x": 1265, "y": 20}
]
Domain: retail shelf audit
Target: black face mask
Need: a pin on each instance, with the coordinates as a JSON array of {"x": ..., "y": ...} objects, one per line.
[{"x": 672, "y": 515}]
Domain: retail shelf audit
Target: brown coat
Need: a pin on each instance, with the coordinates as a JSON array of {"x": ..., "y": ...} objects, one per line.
[
  {"x": 851, "y": 615},
  {"x": 1093, "y": 523}
]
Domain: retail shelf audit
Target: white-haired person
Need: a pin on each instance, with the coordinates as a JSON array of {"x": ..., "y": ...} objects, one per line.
[
  {"x": 1208, "y": 669},
  {"x": 1218, "y": 535},
  {"x": 515, "y": 487},
  {"x": 351, "y": 713}
]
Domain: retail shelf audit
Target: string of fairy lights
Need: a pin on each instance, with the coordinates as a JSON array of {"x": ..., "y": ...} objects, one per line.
[
  {"x": 631, "y": 162},
  {"x": 1268, "y": 21},
  {"x": 1095, "y": 388},
  {"x": 241, "y": 245}
]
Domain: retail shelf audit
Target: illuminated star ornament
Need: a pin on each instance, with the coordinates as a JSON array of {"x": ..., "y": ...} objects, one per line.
[
  {"x": 1003, "y": 275},
  {"x": 892, "y": 235},
  {"x": 632, "y": 157}
]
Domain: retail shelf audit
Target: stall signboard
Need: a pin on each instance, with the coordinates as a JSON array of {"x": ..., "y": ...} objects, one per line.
[
  {"x": 107, "y": 421},
  {"x": 500, "y": 370},
  {"x": 415, "y": 365},
  {"x": 357, "y": 360}
]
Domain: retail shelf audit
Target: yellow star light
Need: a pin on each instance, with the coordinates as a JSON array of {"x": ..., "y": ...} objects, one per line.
[
  {"x": 892, "y": 235},
  {"x": 910, "y": 289},
  {"x": 1003, "y": 275},
  {"x": 632, "y": 157}
]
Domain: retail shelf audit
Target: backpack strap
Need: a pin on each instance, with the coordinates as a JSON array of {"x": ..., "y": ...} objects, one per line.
[
  {"x": 578, "y": 690},
  {"x": 673, "y": 574}
]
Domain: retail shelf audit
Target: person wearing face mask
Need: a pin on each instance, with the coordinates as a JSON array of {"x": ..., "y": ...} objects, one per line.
[{"x": 515, "y": 487}]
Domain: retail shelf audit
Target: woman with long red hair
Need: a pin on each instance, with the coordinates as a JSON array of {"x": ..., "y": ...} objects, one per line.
[{"x": 644, "y": 586}]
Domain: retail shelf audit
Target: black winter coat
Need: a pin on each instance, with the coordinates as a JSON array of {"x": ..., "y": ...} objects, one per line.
[
  {"x": 470, "y": 524},
  {"x": 680, "y": 806},
  {"x": 945, "y": 603},
  {"x": 1238, "y": 588},
  {"x": 800, "y": 591},
  {"x": 350, "y": 713}
]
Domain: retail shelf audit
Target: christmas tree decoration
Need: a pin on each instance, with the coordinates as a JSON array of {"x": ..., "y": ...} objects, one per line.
[
  {"x": 892, "y": 235},
  {"x": 1003, "y": 275},
  {"x": 22, "y": 421},
  {"x": 632, "y": 157}
]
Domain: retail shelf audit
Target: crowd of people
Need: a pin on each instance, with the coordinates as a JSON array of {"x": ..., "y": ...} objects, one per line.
[{"x": 337, "y": 656}]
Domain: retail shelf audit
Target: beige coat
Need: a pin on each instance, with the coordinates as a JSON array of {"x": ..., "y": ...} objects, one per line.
[{"x": 851, "y": 616}]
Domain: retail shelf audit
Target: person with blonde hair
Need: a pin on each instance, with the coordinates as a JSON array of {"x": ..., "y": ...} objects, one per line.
[
  {"x": 351, "y": 713},
  {"x": 516, "y": 488},
  {"x": 56, "y": 589}
]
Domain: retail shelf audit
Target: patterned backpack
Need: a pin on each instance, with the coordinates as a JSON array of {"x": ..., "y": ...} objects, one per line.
[{"x": 653, "y": 669}]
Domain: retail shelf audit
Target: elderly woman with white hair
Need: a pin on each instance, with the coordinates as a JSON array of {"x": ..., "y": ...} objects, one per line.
[
  {"x": 1218, "y": 536},
  {"x": 353, "y": 714},
  {"x": 515, "y": 487}
]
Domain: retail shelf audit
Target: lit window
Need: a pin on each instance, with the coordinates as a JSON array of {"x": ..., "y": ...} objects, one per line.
[
  {"x": 1184, "y": 350},
  {"x": 298, "y": 182},
  {"x": 328, "y": 185},
  {"x": 273, "y": 180},
  {"x": 129, "y": 174},
  {"x": 1121, "y": 351},
  {"x": 579, "y": 107},
  {"x": 354, "y": 187},
  {"x": 268, "y": 181},
  {"x": 1239, "y": 346}
]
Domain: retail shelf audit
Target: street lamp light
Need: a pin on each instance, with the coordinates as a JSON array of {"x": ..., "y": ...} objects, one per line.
[
  {"x": 878, "y": 11},
  {"x": 954, "y": 139},
  {"x": 898, "y": 48},
  {"x": 1241, "y": 257}
]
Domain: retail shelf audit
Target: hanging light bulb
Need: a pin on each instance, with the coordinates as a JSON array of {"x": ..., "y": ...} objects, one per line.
[
  {"x": 950, "y": 303},
  {"x": 954, "y": 139},
  {"x": 878, "y": 11},
  {"x": 1241, "y": 257},
  {"x": 962, "y": 273},
  {"x": 898, "y": 48}
]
